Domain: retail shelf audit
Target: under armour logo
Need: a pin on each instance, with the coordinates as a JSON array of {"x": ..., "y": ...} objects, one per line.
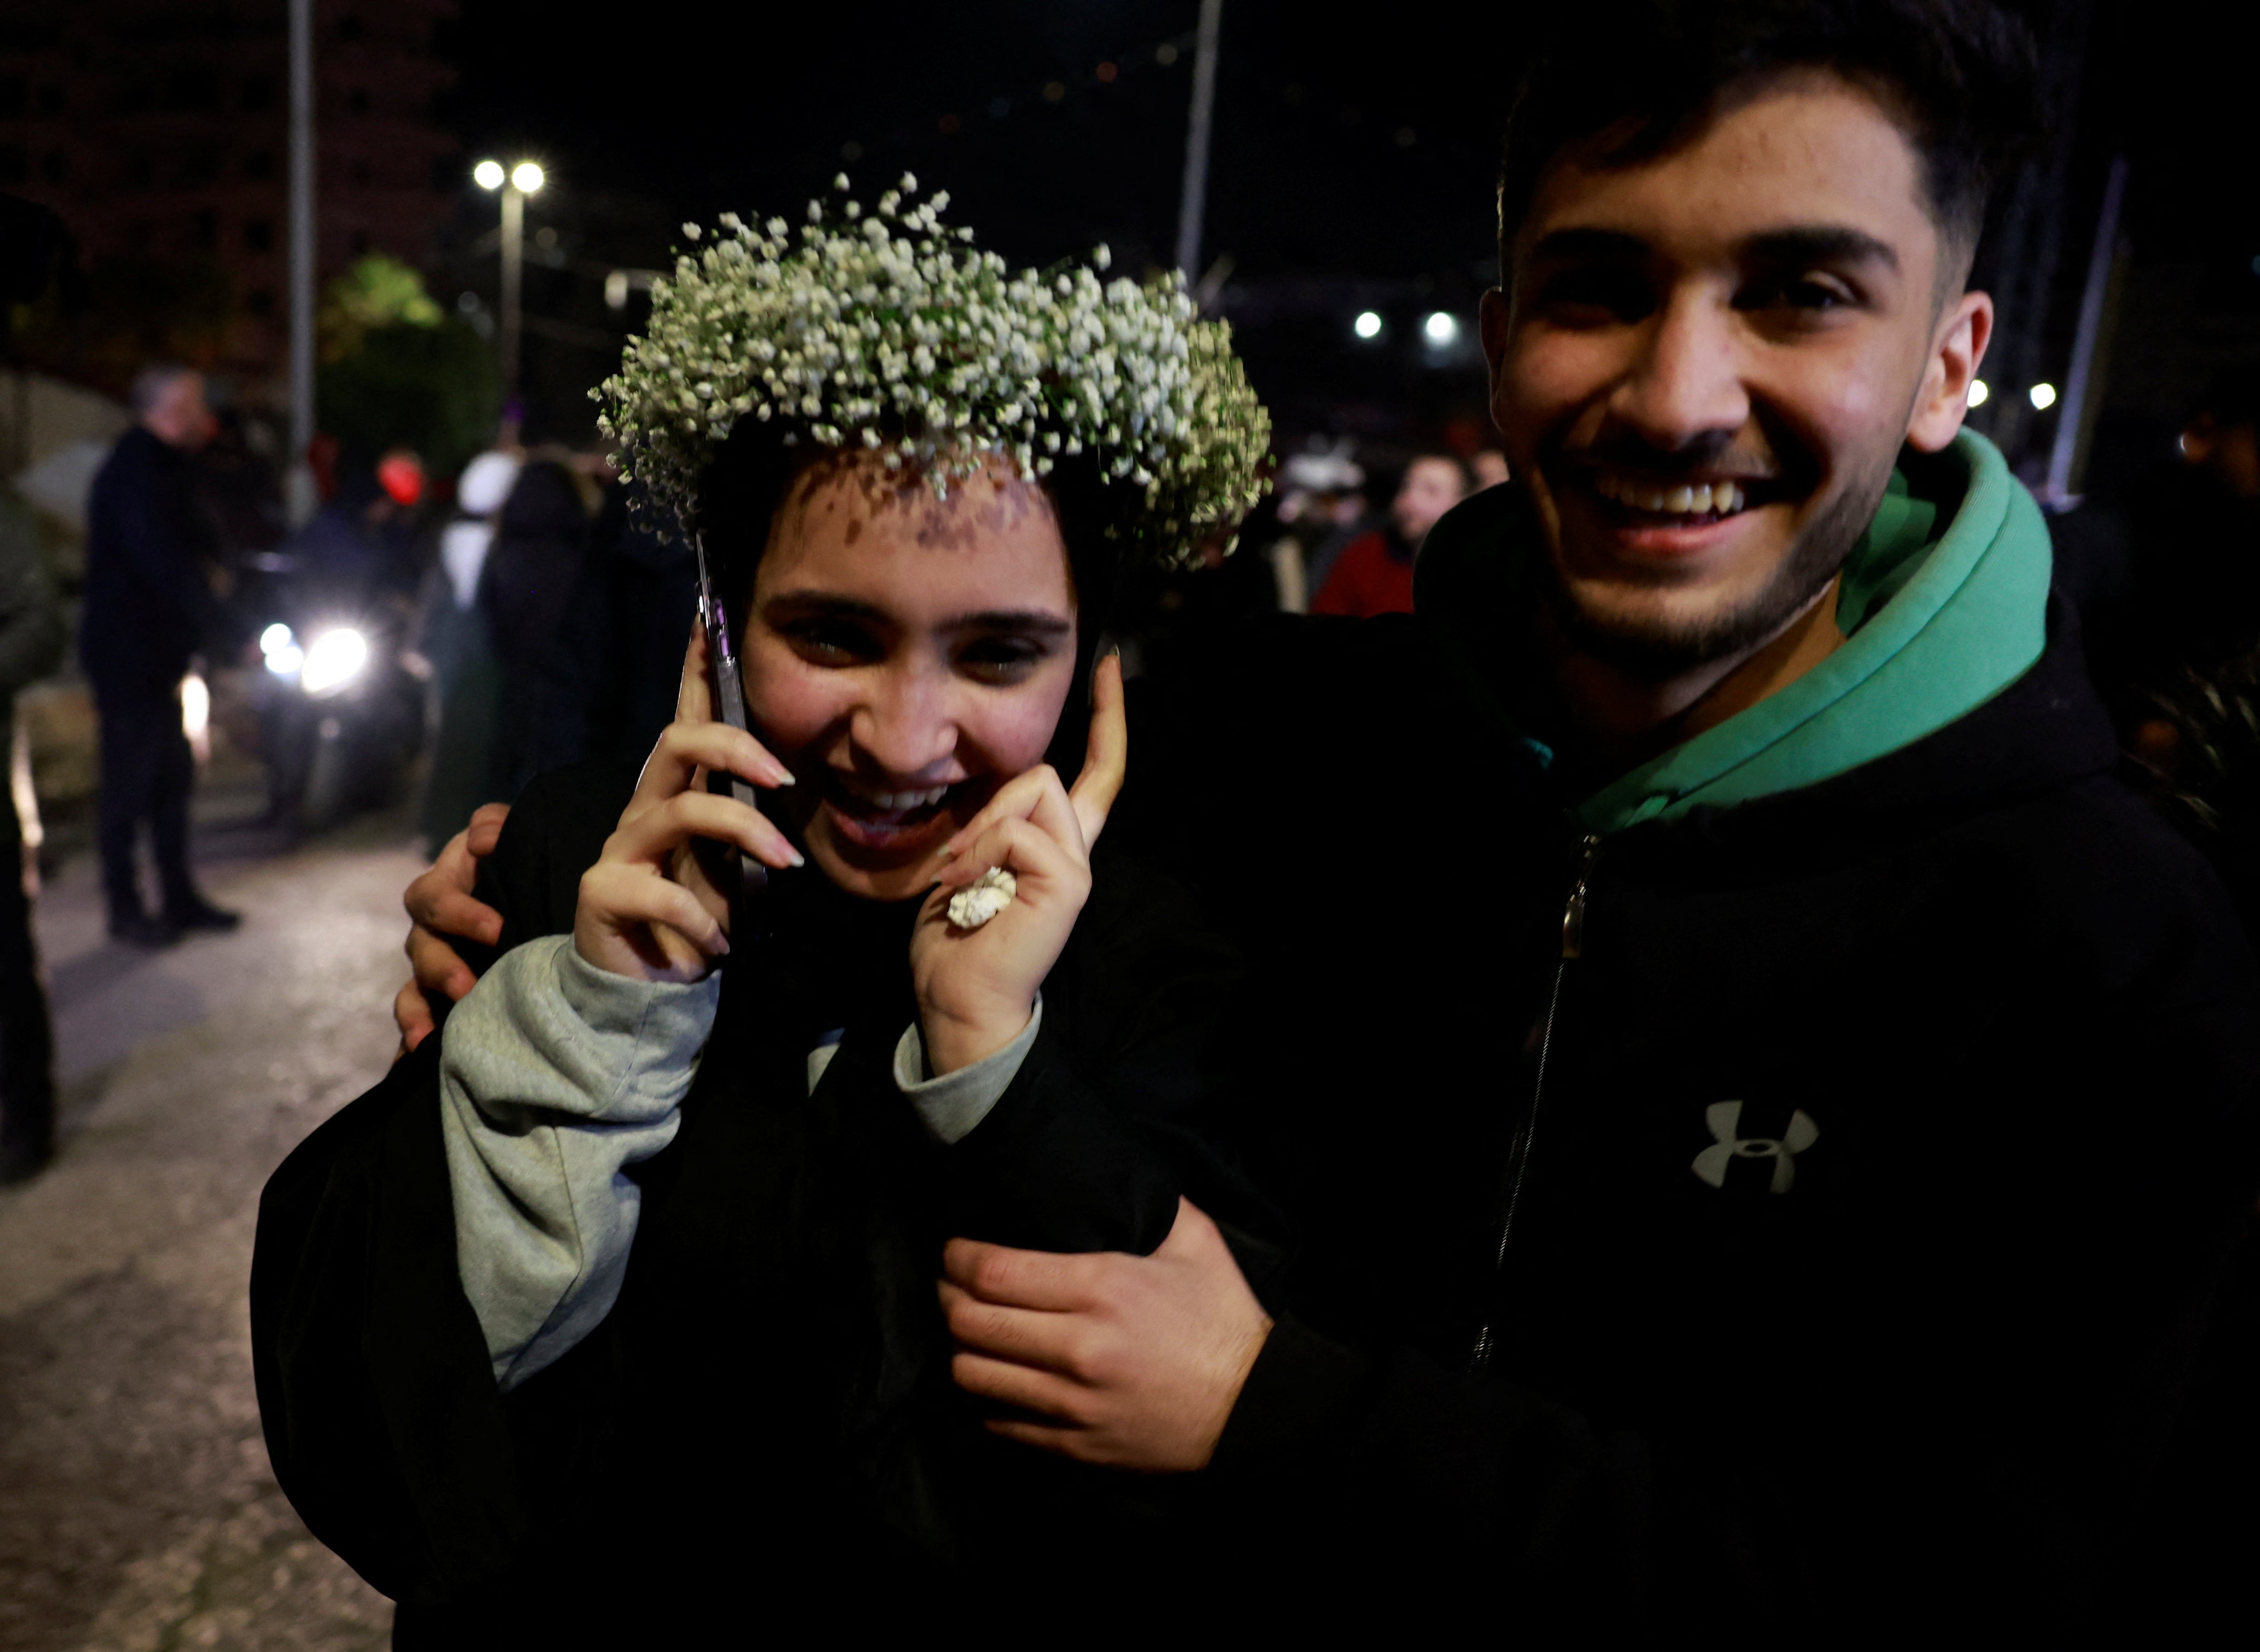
[{"x": 1725, "y": 1118}]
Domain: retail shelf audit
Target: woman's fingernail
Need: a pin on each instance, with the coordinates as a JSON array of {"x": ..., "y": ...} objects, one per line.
[
  {"x": 784, "y": 778},
  {"x": 799, "y": 859}
]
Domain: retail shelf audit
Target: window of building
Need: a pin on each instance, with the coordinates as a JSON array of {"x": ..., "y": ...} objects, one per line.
[
  {"x": 140, "y": 171},
  {"x": 15, "y": 96},
  {"x": 349, "y": 27},
  {"x": 258, "y": 93},
  {"x": 203, "y": 230},
  {"x": 358, "y": 173},
  {"x": 259, "y": 164},
  {"x": 53, "y": 99},
  {"x": 192, "y": 89},
  {"x": 55, "y": 167},
  {"x": 357, "y": 100},
  {"x": 15, "y": 165},
  {"x": 360, "y": 242},
  {"x": 137, "y": 97},
  {"x": 258, "y": 235},
  {"x": 260, "y": 302}
]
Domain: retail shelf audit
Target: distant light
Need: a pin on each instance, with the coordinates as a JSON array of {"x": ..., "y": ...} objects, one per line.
[
  {"x": 1165, "y": 54},
  {"x": 1978, "y": 392},
  {"x": 1368, "y": 325},
  {"x": 616, "y": 290},
  {"x": 196, "y": 707},
  {"x": 1440, "y": 327},
  {"x": 2043, "y": 396},
  {"x": 285, "y": 661},
  {"x": 1107, "y": 72},
  {"x": 527, "y": 176},
  {"x": 335, "y": 659},
  {"x": 488, "y": 174},
  {"x": 1054, "y": 90},
  {"x": 276, "y": 638}
]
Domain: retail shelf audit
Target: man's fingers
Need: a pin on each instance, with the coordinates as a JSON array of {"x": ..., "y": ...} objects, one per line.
[
  {"x": 436, "y": 966},
  {"x": 412, "y": 1015},
  {"x": 1106, "y": 754},
  {"x": 1026, "y": 1336},
  {"x": 485, "y": 829},
  {"x": 1019, "y": 1278},
  {"x": 1042, "y": 1392}
]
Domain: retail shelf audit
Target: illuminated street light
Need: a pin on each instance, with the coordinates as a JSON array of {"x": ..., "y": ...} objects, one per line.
[
  {"x": 2043, "y": 397},
  {"x": 1440, "y": 327},
  {"x": 524, "y": 179},
  {"x": 1978, "y": 392},
  {"x": 1368, "y": 325}
]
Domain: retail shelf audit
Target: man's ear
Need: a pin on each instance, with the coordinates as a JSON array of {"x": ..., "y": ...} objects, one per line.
[
  {"x": 1493, "y": 315},
  {"x": 1955, "y": 350}
]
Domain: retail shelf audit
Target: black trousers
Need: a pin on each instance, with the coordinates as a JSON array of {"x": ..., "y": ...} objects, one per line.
[
  {"x": 27, "y": 1044},
  {"x": 147, "y": 770}
]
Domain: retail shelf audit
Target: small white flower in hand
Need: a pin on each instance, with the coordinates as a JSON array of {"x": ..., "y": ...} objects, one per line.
[{"x": 984, "y": 898}]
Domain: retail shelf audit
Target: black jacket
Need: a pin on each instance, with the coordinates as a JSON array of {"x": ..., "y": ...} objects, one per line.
[
  {"x": 149, "y": 604},
  {"x": 1870, "y": 1175},
  {"x": 764, "y": 1425}
]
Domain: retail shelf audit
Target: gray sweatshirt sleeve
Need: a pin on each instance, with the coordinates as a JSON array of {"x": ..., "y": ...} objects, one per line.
[
  {"x": 554, "y": 1077},
  {"x": 951, "y": 1105}
]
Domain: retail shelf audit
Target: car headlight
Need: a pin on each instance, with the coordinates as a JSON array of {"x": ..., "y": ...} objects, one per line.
[
  {"x": 333, "y": 660},
  {"x": 284, "y": 656}
]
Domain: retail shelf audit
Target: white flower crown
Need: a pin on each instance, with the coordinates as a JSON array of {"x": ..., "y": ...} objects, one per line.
[{"x": 874, "y": 331}]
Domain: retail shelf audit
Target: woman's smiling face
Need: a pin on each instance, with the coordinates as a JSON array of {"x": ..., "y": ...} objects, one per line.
[{"x": 903, "y": 656}]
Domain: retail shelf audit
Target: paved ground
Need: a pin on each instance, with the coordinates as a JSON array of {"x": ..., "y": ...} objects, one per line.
[{"x": 137, "y": 1508}]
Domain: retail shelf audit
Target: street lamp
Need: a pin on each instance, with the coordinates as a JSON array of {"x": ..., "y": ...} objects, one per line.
[{"x": 521, "y": 181}]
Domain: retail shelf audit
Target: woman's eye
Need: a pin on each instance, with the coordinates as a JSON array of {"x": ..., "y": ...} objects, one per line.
[
  {"x": 825, "y": 643},
  {"x": 999, "y": 659}
]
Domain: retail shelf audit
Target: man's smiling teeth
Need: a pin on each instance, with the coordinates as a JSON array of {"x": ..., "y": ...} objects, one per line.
[
  {"x": 891, "y": 801},
  {"x": 1721, "y": 498}
]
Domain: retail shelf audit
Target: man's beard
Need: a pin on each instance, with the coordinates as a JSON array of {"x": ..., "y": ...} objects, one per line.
[{"x": 1655, "y": 649}]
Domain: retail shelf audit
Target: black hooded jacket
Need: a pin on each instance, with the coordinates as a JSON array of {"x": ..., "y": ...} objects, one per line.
[{"x": 1864, "y": 1175}]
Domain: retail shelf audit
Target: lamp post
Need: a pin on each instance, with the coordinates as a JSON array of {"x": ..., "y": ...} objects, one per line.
[
  {"x": 519, "y": 182},
  {"x": 300, "y": 498}
]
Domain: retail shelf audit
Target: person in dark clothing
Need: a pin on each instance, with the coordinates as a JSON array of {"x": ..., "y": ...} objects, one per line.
[
  {"x": 612, "y": 678},
  {"x": 31, "y": 640},
  {"x": 1765, "y": 1147},
  {"x": 538, "y": 558},
  {"x": 1373, "y": 575},
  {"x": 149, "y": 608},
  {"x": 751, "y": 1119}
]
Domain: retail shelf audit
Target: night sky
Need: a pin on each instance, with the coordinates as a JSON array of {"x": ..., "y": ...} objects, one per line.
[{"x": 1352, "y": 160}]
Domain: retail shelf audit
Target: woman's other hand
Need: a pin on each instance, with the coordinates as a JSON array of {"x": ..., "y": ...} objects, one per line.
[
  {"x": 441, "y": 912},
  {"x": 647, "y": 910},
  {"x": 977, "y": 988}
]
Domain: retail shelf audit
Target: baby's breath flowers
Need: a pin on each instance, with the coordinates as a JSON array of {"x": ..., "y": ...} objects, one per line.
[{"x": 884, "y": 330}]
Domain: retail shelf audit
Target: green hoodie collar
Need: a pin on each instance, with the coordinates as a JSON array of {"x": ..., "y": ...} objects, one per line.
[{"x": 1937, "y": 623}]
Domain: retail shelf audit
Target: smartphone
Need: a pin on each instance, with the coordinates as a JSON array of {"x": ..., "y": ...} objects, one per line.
[{"x": 738, "y": 873}]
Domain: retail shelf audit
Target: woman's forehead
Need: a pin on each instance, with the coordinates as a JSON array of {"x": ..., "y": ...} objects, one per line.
[{"x": 993, "y": 541}]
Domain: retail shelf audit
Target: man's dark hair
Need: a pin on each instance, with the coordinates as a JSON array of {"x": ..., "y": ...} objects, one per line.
[{"x": 1960, "y": 76}]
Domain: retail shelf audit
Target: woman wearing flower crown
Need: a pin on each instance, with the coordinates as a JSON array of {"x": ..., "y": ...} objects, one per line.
[{"x": 619, "y": 1313}]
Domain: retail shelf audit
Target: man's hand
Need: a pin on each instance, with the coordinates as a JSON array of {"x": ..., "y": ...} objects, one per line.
[
  {"x": 1131, "y": 1361},
  {"x": 440, "y": 909}
]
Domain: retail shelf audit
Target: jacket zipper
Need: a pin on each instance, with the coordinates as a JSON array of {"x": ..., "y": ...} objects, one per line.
[{"x": 1517, "y": 1153}]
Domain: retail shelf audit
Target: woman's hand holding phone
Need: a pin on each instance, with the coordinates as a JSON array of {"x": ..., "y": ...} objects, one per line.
[
  {"x": 977, "y": 987},
  {"x": 647, "y": 909}
]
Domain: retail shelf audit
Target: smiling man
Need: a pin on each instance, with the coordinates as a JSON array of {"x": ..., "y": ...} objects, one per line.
[{"x": 1766, "y": 1159}]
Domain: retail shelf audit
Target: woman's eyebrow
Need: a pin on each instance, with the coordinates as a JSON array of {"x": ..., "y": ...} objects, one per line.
[{"x": 830, "y": 605}]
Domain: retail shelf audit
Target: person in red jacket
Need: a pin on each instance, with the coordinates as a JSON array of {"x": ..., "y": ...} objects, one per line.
[{"x": 1374, "y": 573}]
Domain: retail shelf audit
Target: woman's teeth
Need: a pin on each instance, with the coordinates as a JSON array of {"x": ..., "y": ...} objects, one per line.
[
  {"x": 891, "y": 801},
  {"x": 1714, "y": 499}
]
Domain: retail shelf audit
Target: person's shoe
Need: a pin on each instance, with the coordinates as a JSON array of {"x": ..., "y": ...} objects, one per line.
[
  {"x": 139, "y": 929},
  {"x": 201, "y": 914},
  {"x": 21, "y": 1160}
]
